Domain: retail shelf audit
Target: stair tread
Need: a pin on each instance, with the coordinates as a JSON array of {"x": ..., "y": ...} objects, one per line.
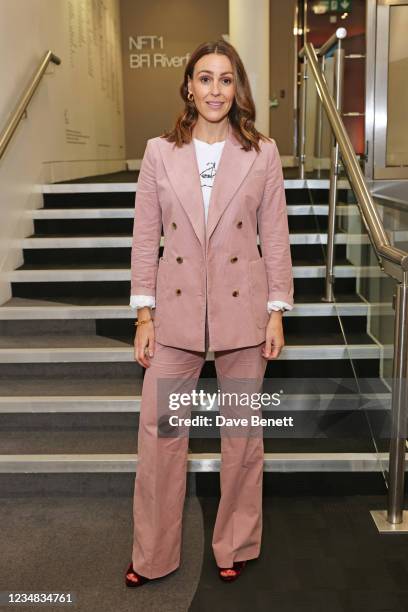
[
  {"x": 82, "y": 340},
  {"x": 125, "y": 176},
  {"x": 66, "y": 302},
  {"x": 111, "y": 234},
  {"x": 38, "y": 387},
  {"x": 111, "y": 301},
  {"x": 77, "y": 265},
  {"x": 32, "y": 386},
  {"x": 129, "y": 176},
  {"x": 44, "y": 441}
]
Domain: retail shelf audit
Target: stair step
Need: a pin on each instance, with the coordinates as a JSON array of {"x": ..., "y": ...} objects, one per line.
[
  {"x": 128, "y": 213},
  {"x": 80, "y": 213},
  {"x": 25, "y": 308},
  {"x": 119, "y": 241},
  {"x": 38, "y": 392},
  {"x": 96, "y": 187},
  {"x": 65, "y": 274},
  {"x": 59, "y": 348},
  {"x": 197, "y": 462},
  {"x": 97, "y": 404}
]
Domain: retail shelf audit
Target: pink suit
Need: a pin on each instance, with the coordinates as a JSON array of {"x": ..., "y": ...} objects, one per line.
[{"x": 211, "y": 288}]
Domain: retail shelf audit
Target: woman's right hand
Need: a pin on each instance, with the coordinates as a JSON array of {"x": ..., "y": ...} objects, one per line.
[{"x": 144, "y": 342}]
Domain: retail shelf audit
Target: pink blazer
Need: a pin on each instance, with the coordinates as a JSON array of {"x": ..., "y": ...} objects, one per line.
[{"x": 218, "y": 266}]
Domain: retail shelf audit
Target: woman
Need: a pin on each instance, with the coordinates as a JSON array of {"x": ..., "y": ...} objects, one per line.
[{"x": 211, "y": 290}]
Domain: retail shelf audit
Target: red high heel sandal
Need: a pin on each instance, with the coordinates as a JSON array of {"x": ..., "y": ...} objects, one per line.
[
  {"x": 130, "y": 577},
  {"x": 236, "y": 568}
]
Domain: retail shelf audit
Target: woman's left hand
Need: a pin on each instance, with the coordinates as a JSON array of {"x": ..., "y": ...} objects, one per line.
[{"x": 274, "y": 336}]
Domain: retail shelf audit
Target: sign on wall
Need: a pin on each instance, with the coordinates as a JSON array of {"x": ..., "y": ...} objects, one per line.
[
  {"x": 337, "y": 6},
  {"x": 93, "y": 100},
  {"x": 146, "y": 51},
  {"x": 158, "y": 39}
]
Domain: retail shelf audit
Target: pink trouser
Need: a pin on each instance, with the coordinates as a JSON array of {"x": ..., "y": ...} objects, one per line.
[{"x": 161, "y": 475}]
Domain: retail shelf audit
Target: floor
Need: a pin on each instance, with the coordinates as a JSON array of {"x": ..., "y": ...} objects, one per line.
[
  {"x": 320, "y": 554},
  {"x": 320, "y": 551}
]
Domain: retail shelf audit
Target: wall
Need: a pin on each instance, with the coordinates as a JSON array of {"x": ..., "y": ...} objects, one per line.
[
  {"x": 282, "y": 74},
  {"x": 153, "y": 74},
  {"x": 74, "y": 125},
  {"x": 321, "y": 27},
  {"x": 397, "y": 121}
]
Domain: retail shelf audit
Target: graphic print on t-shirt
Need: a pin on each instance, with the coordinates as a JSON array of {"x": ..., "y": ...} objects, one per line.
[
  {"x": 208, "y": 175},
  {"x": 208, "y": 157}
]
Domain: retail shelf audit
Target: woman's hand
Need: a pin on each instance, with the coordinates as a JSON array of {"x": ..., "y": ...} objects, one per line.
[
  {"x": 274, "y": 336},
  {"x": 144, "y": 338}
]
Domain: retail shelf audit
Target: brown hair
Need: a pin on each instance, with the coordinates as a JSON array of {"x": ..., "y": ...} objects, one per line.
[{"x": 242, "y": 112}]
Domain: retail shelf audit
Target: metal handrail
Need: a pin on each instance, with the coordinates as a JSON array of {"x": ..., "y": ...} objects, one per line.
[
  {"x": 24, "y": 100},
  {"x": 331, "y": 42},
  {"x": 393, "y": 261},
  {"x": 365, "y": 202}
]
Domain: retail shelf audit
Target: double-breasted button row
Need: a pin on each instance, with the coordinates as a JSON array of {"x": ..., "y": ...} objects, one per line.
[
  {"x": 235, "y": 293},
  {"x": 178, "y": 259},
  {"x": 174, "y": 224},
  {"x": 233, "y": 259}
]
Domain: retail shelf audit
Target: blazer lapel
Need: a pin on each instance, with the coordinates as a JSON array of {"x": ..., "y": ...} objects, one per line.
[
  {"x": 233, "y": 167},
  {"x": 183, "y": 173}
]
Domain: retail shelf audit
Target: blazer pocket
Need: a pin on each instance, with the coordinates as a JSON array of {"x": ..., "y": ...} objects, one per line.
[{"x": 258, "y": 284}]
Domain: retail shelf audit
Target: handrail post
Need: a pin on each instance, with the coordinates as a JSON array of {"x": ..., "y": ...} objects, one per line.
[
  {"x": 319, "y": 136},
  {"x": 302, "y": 129},
  {"x": 396, "y": 468},
  {"x": 334, "y": 165},
  {"x": 395, "y": 518}
]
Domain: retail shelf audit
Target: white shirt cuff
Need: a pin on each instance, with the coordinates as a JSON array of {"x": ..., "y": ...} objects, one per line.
[
  {"x": 278, "y": 305},
  {"x": 139, "y": 301}
]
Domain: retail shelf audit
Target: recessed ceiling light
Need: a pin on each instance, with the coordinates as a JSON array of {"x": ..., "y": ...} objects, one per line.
[{"x": 319, "y": 8}]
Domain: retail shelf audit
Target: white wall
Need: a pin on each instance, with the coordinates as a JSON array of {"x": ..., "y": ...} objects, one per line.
[
  {"x": 74, "y": 125},
  {"x": 397, "y": 122}
]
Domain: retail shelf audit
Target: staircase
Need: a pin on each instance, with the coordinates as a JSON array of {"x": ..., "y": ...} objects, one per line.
[{"x": 70, "y": 388}]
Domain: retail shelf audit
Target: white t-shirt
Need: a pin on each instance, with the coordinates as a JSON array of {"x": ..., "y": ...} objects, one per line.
[{"x": 208, "y": 157}]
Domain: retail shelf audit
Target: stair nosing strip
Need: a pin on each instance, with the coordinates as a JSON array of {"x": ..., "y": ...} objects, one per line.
[{"x": 197, "y": 462}]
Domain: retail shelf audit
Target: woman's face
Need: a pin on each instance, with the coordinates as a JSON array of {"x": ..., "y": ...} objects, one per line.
[{"x": 213, "y": 86}]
